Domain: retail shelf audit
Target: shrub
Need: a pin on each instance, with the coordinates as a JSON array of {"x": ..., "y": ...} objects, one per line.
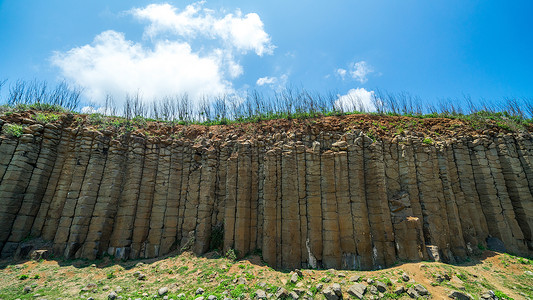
[
  {"x": 501, "y": 295},
  {"x": 231, "y": 255},
  {"x": 46, "y": 118},
  {"x": 12, "y": 130},
  {"x": 428, "y": 141},
  {"x": 23, "y": 276}
]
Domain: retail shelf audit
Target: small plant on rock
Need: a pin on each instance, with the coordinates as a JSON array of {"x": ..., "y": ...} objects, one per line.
[
  {"x": 231, "y": 255},
  {"x": 12, "y": 130}
]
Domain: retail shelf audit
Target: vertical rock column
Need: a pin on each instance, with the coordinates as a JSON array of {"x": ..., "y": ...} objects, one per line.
[
  {"x": 14, "y": 184},
  {"x": 407, "y": 227},
  {"x": 254, "y": 196},
  {"x": 346, "y": 229},
  {"x": 105, "y": 209},
  {"x": 270, "y": 188},
  {"x": 413, "y": 213},
  {"x": 290, "y": 224},
  {"x": 231, "y": 202},
  {"x": 88, "y": 196},
  {"x": 359, "y": 210},
  {"x": 436, "y": 232},
  {"x": 64, "y": 145},
  {"x": 302, "y": 200},
  {"x": 190, "y": 213},
  {"x": 242, "y": 217},
  {"x": 73, "y": 191},
  {"x": 206, "y": 202},
  {"x": 121, "y": 237},
  {"x": 488, "y": 192},
  {"x": 472, "y": 205},
  {"x": 58, "y": 194},
  {"x": 448, "y": 175},
  {"x": 260, "y": 193},
  {"x": 517, "y": 185},
  {"x": 331, "y": 255},
  {"x": 170, "y": 223},
  {"x": 187, "y": 163},
  {"x": 37, "y": 185},
  {"x": 219, "y": 207},
  {"x": 146, "y": 197},
  {"x": 377, "y": 202},
  {"x": 159, "y": 205}
]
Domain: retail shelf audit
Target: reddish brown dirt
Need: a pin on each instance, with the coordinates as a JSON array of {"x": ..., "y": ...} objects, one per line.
[{"x": 378, "y": 125}]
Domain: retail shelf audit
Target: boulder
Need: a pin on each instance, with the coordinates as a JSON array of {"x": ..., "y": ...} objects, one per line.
[
  {"x": 162, "y": 291},
  {"x": 357, "y": 290},
  {"x": 459, "y": 295}
]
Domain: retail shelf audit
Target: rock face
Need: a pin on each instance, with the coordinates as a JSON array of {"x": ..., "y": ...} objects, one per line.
[{"x": 330, "y": 199}]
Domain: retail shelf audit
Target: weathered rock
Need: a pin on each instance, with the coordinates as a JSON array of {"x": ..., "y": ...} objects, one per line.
[
  {"x": 330, "y": 294},
  {"x": 294, "y": 295},
  {"x": 459, "y": 295},
  {"x": 162, "y": 291},
  {"x": 355, "y": 278},
  {"x": 421, "y": 289},
  {"x": 281, "y": 293},
  {"x": 260, "y": 294},
  {"x": 39, "y": 254},
  {"x": 399, "y": 290},
  {"x": 294, "y": 277},
  {"x": 357, "y": 290},
  {"x": 382, "y": 287},
  {"x": 373, "y": 289},
  {"x": 199, "y": 291},
  {"x": 413, "y": 293},
  {"x": 405, "y": 277},
  {"x": 489, "y": 295}
]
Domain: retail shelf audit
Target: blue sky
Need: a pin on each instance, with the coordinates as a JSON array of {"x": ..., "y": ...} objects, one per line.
[{"x": 432, "y": 49}]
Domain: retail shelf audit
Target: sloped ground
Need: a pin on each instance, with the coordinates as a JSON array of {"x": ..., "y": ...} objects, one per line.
[{"x": 183, "y": 274}]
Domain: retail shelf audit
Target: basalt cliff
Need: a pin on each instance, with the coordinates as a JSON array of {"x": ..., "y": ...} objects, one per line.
[{"x": 351, "y": 192}]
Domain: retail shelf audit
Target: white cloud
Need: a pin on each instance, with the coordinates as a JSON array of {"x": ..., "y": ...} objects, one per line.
[
  {"x": 341, "y": 72},
  {"x": 356, "y": 100},
  {"x": 274, "y": 82},
  {"x": 114, "y": 65},
  {"x": 358, "y": 71},
  {"x": 167, "y": 64},
  {"x": 244, "y": 33},
  {"x": 266, "y": 80}
]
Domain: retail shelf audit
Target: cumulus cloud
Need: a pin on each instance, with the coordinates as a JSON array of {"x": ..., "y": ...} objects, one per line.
[
  {"x": 358, "y": 71},
  {"x": 243, "y": 32},
  {"x": 167, "y": 63},
  {"x": 356, "y": 100}
]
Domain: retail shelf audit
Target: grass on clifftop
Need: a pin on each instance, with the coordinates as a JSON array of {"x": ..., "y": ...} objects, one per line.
[{"x": 511, "y": 114}]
